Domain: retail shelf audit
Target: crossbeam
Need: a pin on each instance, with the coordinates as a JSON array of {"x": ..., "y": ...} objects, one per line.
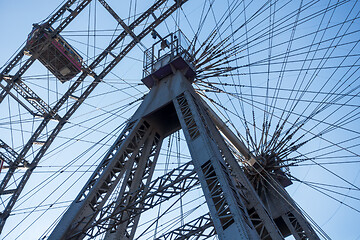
[
  {"x": 120, "y": 21},
  {"x": 6, "y": 90},
  {"x": 10, "y": 154},
  {"x": 201, "y": 227}
]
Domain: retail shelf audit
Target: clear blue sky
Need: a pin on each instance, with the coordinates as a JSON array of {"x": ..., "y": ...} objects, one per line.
[{"x": 296, "y": 61}]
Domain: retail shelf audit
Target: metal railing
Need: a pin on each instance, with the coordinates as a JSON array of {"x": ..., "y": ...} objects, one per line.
[{"x": 165, "y": 50}]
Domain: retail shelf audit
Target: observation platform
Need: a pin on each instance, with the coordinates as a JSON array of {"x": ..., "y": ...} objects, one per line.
[{"x": 165, "y": 57}]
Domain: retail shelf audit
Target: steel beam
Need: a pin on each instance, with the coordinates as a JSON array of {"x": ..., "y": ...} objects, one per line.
[
  {"x": 201, "y": 227},
  {"x": 10, "y": 154},
  {"x": 120, "y": 21},
  {"x": 5, "y": 92},
  {"x": 258, "y": 214},
  {"x": 136, "y": 181},
  {"x": 227, "y": 210},
  {"x": 231, "y": 137}
]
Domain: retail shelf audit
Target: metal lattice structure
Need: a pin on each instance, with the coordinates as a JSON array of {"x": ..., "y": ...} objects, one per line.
[
  {"x": 232, "y": 156},
  {"x": 172, "y": 104}
]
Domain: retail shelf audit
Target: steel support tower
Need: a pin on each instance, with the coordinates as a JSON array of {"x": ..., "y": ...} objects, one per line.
[{"x": 237, "y": 209}]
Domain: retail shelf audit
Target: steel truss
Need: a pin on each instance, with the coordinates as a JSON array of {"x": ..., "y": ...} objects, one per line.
[
  {"x": 40, "y": 108},
  {"x": 236, "y": 209}
]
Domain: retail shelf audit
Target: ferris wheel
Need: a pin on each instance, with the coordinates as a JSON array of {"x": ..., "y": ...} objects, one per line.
[{"x": 180, "y": 120}]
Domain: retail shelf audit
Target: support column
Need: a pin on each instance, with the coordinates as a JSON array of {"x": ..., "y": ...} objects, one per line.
[
  {"x": 136, "y": 181},
  {"x": 259, "y": 215},
  {"x": 229, "y": 214},
  {"x": 101, "y": 184}
]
